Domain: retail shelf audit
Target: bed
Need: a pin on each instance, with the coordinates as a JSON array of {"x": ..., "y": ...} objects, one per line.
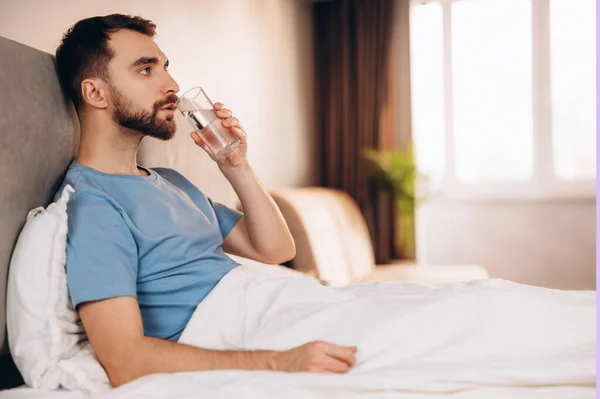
[{"x": 39, "y": 134}]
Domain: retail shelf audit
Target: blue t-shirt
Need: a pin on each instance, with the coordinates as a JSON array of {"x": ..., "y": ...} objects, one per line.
[{"x": 156, "y": 238}]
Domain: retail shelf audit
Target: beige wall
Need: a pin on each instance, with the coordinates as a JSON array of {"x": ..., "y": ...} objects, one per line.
[
  {"x": 253, "y": 55},
  {"x": 548, "y": 243}
]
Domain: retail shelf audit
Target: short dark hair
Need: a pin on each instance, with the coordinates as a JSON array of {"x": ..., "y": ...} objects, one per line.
[{"x": 84, "y": 52}]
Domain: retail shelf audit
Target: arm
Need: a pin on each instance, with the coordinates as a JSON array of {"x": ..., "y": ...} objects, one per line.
[
  {"x": 114, "y": 327},
  {"x": 262, "y": 233}
]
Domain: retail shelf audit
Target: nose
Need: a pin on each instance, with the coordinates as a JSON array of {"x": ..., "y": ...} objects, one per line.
[{"x": 170, "y": 86}]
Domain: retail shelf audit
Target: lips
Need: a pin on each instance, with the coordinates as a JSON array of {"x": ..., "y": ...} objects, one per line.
[{"x": 169, "y": 107}]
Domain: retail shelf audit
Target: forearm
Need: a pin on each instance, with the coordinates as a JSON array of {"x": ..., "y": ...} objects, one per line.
[
  {"x": 152, "y": 355},
  {"x": 267, "y": 229}
]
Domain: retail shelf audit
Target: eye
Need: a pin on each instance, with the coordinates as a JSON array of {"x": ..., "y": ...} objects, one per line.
[{"x": 145, "y": 71}]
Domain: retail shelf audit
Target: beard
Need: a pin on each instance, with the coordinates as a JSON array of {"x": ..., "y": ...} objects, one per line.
[{"x": 142, "y": 121}]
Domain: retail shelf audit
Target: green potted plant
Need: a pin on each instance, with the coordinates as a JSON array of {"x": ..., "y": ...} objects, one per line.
[{"x": 397, "y": 172}]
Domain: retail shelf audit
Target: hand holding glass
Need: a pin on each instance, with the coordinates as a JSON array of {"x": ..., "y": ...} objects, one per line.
[{"x": 197, "y": 108}]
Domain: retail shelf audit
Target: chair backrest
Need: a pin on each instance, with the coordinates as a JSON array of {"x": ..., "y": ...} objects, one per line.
[{"x": 331, "y": 235}]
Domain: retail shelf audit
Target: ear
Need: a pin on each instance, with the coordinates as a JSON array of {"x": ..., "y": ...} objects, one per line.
[{"x": 94, "y": 93}]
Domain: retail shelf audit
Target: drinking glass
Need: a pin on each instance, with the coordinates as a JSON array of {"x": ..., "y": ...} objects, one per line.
[{"x": 197, "y": 108}]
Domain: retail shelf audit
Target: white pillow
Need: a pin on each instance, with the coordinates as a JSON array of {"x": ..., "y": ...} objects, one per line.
[{"x": 45, "y": 335}]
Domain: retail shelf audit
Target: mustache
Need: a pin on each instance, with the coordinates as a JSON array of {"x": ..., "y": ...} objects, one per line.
[{"x": 170, "y": 99}]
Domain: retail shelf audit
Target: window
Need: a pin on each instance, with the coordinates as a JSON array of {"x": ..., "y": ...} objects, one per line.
[
  {"x": 573, "y": 78},
  {"x": 504, "y": 95}
]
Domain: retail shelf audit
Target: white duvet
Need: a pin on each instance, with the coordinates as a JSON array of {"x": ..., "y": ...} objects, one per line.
[
  {"x": 486, "y": 338},
  {"x": 415, "y": 338}
]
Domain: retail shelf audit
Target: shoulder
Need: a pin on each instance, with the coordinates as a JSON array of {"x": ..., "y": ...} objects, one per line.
[
  {"x": 93, "y": 207},
  {"x": 84, "y": 186},
  {"x": 95, "y": 217},
  {"x": 87, "y": 194}
]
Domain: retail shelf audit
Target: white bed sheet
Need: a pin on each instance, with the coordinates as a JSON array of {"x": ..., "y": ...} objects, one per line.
[{"x": 263, "y": 385}]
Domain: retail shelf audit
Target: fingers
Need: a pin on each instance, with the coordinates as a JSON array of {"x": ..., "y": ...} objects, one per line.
[
  {"x": 240, "y": 134},
  {"x": 336, "y": 354},
  {"x": 347, "y": 354},
  {"x": 332, "y": 365},
  {"x": 317, "y": 357},
  {"x": 224, "y": 113},
  {"x": 236, "y": 128},
  {"x": 231, "y": 122},
  {"x": 227, "y": 117}
]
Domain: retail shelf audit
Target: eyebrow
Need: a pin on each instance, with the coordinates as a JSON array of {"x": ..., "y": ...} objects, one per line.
[{"x": 147, "y": 61}]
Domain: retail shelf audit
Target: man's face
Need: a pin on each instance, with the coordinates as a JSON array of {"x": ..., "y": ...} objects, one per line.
[{"x": 142, "y": 91}]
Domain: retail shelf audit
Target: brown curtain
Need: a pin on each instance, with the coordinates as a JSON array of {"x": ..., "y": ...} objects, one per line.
[{"x": 354, "y": 104}]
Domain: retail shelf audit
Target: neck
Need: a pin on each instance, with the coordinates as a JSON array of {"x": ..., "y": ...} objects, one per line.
[{"x": 108, "y": 147}]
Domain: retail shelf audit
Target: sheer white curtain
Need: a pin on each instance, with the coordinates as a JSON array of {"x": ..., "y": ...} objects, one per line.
[{"x": 504, "y": 96}]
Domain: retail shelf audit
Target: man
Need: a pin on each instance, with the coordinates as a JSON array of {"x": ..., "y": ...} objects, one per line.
[{"x": 145, "y": 246}]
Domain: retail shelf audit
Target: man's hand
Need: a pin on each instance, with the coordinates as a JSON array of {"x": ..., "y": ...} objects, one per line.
[
  {"x": 317, "y": 357},
  {"x": 239, "y": 156}
]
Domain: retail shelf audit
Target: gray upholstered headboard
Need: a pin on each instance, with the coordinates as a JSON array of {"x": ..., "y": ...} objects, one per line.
[{"x": 39, "y": 132}]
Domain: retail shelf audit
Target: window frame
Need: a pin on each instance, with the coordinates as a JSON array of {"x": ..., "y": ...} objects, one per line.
[{"x": 545, "y": 184}]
